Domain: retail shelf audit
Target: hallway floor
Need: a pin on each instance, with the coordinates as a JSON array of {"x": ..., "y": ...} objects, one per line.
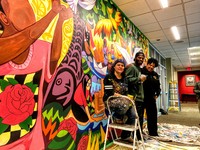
[{"x": 177, "y": 131}]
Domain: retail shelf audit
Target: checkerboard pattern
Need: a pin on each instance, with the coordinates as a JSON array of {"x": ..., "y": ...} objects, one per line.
[{"x": 15, "y": 132}]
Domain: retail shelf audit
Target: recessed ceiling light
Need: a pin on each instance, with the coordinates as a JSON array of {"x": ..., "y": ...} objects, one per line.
[
  {"x": 164, "y": 3},
  {"x": 175, "y": 32}
]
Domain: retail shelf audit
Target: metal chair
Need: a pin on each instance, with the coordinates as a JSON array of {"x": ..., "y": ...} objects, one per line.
[{"x": 111, "y": 124}]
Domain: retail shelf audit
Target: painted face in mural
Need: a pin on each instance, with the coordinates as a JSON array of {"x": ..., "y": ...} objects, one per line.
[
  {"x": 64, "y": 86},
  {"x": 26, "y": 13}
]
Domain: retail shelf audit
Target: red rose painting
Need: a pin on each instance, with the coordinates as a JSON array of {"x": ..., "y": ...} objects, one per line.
[
  {"x": 16, "y": 104},
  {"x": 70, "y": 125},
  {"x": 83, "y": 143}
]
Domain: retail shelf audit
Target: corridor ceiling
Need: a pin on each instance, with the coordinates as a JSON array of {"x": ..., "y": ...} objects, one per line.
[{"x": 155, "y": 22}]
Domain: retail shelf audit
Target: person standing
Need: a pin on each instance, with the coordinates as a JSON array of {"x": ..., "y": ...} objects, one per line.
[
  {"x": 135, "y": 87},
  {"x": 152, "y": 90},
  {"x": 115, "y": 84},
  {"x": 197, "y": 92}
]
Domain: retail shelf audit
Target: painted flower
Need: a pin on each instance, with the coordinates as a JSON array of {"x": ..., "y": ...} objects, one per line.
[
  {"x": 83, "y": 143},
  {"x": 70, "y": 125},
  {"x": 16, "y": 104}
]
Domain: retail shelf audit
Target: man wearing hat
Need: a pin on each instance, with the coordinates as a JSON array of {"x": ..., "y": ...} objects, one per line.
[{"x": 135, "y": 87}]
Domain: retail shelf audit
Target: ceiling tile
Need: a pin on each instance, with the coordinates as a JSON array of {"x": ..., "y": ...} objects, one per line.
[
  {"x": 150, "y": 27},
  {"x": 195, "y": 33},
  {"x": 120, "y": 2},
  {"x": 155, "y": 4},
  {"x": 166, "y": 24},
  {"x": 194, "y": 27},
  {"x": 192, "y": 44},
  {"x": 195, "y": 39},
  {"x": 155, "y": 34},
  {"x": 192, "y": 7},
  {"x": 148, "y": 17},
  {"x": 182, "y": 31},
  {"x": 135, "y": 8},
  {"x": 169, "y": 13},
  {"x": 193, "y": 18},
  {"x": 180, "y": 45},
  {"x": 182, "y": 54},
  {"x": 163, "y": 44}
]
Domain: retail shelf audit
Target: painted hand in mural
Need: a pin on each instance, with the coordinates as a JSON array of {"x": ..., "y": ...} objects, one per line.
[
  {"x": 56, "y": 7},
  {"x": 17, "y": 36}
]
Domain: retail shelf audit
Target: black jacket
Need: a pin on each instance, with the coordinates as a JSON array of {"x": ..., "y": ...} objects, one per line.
[
  {"x": 152, "y": 84},
  {"x": 113, "y": 85}
]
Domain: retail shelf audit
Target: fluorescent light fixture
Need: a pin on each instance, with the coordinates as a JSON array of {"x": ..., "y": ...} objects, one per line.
[
  {"x": 175, "y": 32},
  {"x": 194, "y": 48},
  {"x": 194, "y": 54},
  {"x": 164, "y": 3},
  {"x": 196, "y": 58}
]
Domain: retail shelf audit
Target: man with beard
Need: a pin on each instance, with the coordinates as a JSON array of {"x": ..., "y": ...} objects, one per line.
[{"x": 135, "y": 87}]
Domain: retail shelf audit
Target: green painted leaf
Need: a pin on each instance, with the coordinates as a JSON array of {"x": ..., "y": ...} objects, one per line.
[
  {"x": 12, "y": 81},
  {"x": 3, "y": 127},
  {"x": 4, "y": 84},
  {"x": 32, "y": 86},
  {"x": 29, "y": 120},
  {"x": 25, "y": 124}
]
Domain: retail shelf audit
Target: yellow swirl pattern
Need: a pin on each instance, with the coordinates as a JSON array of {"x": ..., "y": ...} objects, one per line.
[{"x": 41, "y": 8}]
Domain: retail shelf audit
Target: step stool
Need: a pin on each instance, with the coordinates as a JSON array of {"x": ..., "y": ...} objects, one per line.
[{"x": 111, "y": 124}]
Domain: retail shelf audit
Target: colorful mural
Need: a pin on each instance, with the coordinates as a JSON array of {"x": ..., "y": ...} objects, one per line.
[{"x": 54, "y": 56}]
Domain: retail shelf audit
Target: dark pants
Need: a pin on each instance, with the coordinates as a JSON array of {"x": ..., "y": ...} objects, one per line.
[
  {"x": 131, "y": 121},
  {"x": 151, "y": 110},
  {"x": 140, "y": 110}
]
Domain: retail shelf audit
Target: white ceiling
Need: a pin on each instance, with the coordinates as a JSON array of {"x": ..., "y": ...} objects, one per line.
[{"x": 155, "y": 22}]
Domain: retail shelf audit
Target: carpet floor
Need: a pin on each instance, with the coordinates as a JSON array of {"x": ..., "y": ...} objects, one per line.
[{"x": 187, "y": 116}]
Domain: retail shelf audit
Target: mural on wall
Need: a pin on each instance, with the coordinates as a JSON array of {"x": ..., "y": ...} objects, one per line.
[{"x": 54, "y": 56}]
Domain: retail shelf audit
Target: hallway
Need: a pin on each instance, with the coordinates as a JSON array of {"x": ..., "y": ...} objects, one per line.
[
  {"x": 177, "y": 130},
  {"x": 189, "y": 115}
]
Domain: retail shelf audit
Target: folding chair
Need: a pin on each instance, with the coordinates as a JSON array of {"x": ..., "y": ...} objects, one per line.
[{"x": 111, "y": 124}]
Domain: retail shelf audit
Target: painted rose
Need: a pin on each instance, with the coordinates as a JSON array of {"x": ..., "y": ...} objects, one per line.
[
  {"x": 70, "y": 125},
  {"x": 83, "y": 143},
  {"x": 16, "y": 104}
]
